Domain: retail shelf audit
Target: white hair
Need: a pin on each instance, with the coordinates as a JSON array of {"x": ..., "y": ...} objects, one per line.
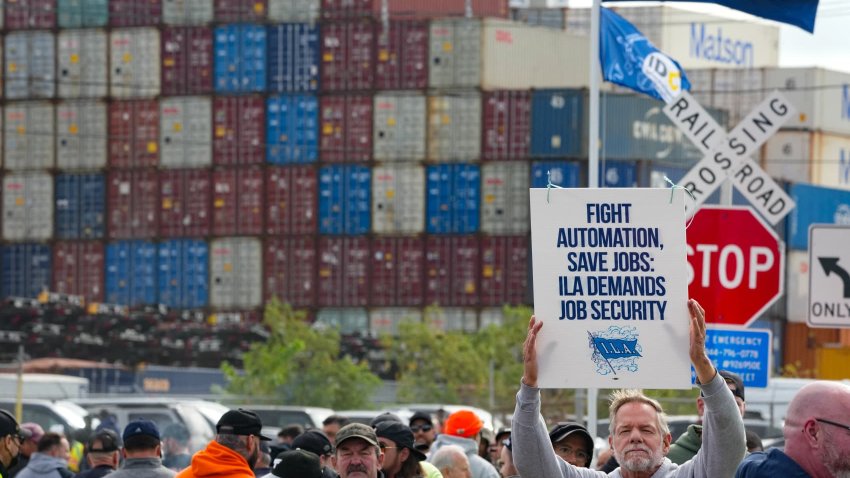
[{"x": 446, "y": 457}]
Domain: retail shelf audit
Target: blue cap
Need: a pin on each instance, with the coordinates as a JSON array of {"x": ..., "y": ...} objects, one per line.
[{"x": 141, "y": 427}]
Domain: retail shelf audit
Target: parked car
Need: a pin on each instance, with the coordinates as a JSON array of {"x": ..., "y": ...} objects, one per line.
[
  {"x": 57, "y": 415},
  {"x": 195, "y": 415},
  {"x": 366, "y": 416},
  {"x": 279, "y": 416}
]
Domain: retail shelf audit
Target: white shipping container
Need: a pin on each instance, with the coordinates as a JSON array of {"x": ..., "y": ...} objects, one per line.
[
  {"x": 454, "y": 126},
  {"x": 797, "y": 286},
  {"x": 809, "y": 156},
  {"x": 398, "y": 199},
  {"x": 452, "y": 318},
  {"x": 399, "y": 127},
  {"x": 82, "y": 63},
  {"x": 386, "y": 320},
  {"x": 30, "y": 65},
  {"x": 455, "y": 53},
  {"x": 346, "y": 321},
  {"x": 81, "y": 135},
  {"x": 293, "y": 11},
  {"x": 134, "y": 63},
  {"x": 28, "y": 206},
  {"x": 504, "y": 198},
  {"x": 29, "y": 135},
  {"x": 518, "y": 56},
  {"x": 236, "y": 273},
  {"x": 187, "y": 12},
  {"x": 821, "y": 97},
  {"x": 185, "y": 133}
]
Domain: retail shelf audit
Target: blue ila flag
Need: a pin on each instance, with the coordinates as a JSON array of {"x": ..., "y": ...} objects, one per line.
[
  {"x": 616, "y": 348},
  {"x": 629, "y": 59},
  {"x": 800, "y": 13}
]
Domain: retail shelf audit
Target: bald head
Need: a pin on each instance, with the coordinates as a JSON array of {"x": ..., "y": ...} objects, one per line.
[{"x": 816, "y": 434}]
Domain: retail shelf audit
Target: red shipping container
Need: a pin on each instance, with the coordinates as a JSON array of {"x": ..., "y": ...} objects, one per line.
[
  {"x": 451, "y": 270},
  {"x": 398, "y": 271},
  {"x": 506, "y": 125},
  {"x": 187, "y": 61},
  {"x": 133, "y": 199},
  {"x": 343, "y": 271},
  {"x": 504, "y": 270},
  {"x": 419, "y": 9},
  {"x": 346, "y": 128},
  {"x": 240, "y": 10},
  {"x": 134, "y": 13},
  {"x": 289, "y": 269},
  {"x": 291, "y": 200},
  {"x": 184, "y": 202},
  {"x": 78, "y": 269},
  {"x": 402, "y": 58},
  {"x": 133, "y": 134},
  {"x": 28, "y": 14},
  {"x": 348, "y": 56},
  {"x": 238, "y": 201},
  {"x": 239, "y": 130}
]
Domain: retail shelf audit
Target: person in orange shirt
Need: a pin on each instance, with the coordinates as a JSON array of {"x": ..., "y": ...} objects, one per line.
[{"x": 234, "y": 451}]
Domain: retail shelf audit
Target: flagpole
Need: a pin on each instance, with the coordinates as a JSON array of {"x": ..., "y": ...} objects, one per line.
[{"x": 593, "y": 115}]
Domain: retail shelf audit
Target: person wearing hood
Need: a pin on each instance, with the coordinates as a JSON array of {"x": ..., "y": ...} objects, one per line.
[
  {"x": 463, "y": 428},
  {"x": 234, "y": 451},
  {"x": 51, "y": 459}
]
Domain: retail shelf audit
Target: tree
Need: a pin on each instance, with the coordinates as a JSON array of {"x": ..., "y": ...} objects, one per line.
[{"x": 299, "y": 365}]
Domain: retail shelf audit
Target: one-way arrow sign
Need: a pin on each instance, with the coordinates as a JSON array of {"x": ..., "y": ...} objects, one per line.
[{"x": 829, "y": 284}]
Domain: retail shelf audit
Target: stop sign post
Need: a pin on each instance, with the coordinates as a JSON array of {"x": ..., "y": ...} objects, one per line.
[{"x": 736, "y": 264}]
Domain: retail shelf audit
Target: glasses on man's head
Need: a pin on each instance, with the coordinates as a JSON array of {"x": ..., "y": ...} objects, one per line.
[
  {"x": 421, "y": 428},
  {"x": 835, "y": 424}
]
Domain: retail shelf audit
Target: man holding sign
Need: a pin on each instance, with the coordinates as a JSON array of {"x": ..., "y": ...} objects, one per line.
[{"x": 639, "y": 434}]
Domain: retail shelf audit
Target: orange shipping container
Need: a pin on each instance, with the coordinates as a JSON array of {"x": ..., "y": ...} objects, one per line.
[{"x": 801, "y": 346}]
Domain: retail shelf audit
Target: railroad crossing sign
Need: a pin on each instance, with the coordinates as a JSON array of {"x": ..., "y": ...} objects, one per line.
[{"x": 829, "y": 276}]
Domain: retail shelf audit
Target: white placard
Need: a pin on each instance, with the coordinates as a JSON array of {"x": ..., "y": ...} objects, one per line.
[
  {"x": 610, "y": 287},
  {"x": 829, "y": 276}
]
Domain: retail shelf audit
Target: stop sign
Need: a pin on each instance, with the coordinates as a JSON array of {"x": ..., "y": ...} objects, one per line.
[{"x": 736, "y": 264}]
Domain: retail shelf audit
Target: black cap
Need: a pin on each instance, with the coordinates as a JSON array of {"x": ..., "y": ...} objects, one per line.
[
  {"x": 297, "y": 464},
  {"x": 141, "y": 426},
  {"x": 400, "y": 434},
  {"x": 241, "y": 422},
  {"x": 565, "y": 429},
  {"x": 314, "y": 441},
  {"x": 385, "y": 417},
  {"x": 420, "y": 415},
  {"x": 8, "y": 424},
  {"x": 502, "y": 434},
  {"x": 104, "y": 441}
]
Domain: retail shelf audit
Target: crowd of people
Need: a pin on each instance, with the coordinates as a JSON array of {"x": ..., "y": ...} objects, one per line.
[{"x": 816, "y": 432}]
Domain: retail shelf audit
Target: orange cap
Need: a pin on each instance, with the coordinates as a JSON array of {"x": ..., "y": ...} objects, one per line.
[{"x": 463, "y": 423}]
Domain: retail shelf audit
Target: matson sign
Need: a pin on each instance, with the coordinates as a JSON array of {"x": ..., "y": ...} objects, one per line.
[{"x": 736, "y": 264}]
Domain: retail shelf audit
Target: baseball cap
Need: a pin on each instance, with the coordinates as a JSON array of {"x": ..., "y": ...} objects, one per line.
[
  {"x": 502, "y": 434},
  {"x": 297, "y": 464},
  {"x": 420, "y": 415},
  {"x": 730, "y": 378},
  {"x": 565, "y": 429},
  {"x": 34, "y": 431},
  {"x": 105, "y": 441},
  {"x": 314, "y": 441},
  {"x": 384, "y": 417},
  {"x": 356, "y": 430},
  {"x": 8, "y": 425},
  {"x": 241, "y": 422},
  {"x": 141, "y": 427},
  {"x": 463, "y": 423},
  {"x": 401, "y": 435}
]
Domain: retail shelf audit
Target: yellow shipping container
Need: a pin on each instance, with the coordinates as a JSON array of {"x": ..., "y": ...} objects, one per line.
[{"x": 832, "y": 363}]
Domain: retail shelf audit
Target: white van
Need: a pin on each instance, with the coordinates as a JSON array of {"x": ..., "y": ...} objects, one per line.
[{"x": 772, "y": 402}]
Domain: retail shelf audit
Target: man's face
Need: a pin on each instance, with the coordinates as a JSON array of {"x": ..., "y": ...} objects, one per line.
[
  {"x": 573, "y": 450},
  {"x": 63, "y": 451},
  {"x": 507, "y": 468},
  {"x": 331, "y": 430},
  {"x": 423, "y": 432},
  {"x": 11, "y": 448},
  {"x": 254, "y": 446},
  {"x": 393, "y": 455},
  {"x": 356, "y": 458},
  {"x": 637, "y": 441},
  {"x": 834, "y": 454},
  {"x": 28, "y": 447}
]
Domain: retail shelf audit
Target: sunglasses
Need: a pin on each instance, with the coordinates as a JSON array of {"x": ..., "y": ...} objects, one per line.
[{"x": 423, "y": 428}]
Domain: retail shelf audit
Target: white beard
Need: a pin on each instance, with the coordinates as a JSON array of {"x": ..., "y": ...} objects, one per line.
[
  {"x": 639, "y": 463},
  {"x": 837, "y": 463}
]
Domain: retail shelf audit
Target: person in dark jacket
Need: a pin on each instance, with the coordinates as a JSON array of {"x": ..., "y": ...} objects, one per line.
[
  {"x": 11, "y": 437},
  {"x": 102, "y": 454},
  {"x": 34, "y": 432},
  {"x": 51, "y": 459}
]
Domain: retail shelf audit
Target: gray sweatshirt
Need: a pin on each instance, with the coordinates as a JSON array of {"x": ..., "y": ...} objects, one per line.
[
  {"x": 143, "y": 468},
  {"x": 723, "y": 440}
]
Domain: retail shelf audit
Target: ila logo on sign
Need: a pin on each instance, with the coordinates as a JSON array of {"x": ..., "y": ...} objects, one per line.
[{"x": 716, "y": 47}]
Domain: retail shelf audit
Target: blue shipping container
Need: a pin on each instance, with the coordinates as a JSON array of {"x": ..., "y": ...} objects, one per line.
[
  {"x": 453, "y": 199},
  {"x": 293, "y": 57},
  {"x": 131, "y": 273},
  {"x": 240, "y": 58},
  {"x": 182, "y": 381},
  {"x": 292, "y": 129},
  {"x": 565, "y": 174},
  {"x": 618, "y": 174},
  {"x": 183, "y": 273},
  {"x": 80, "y": 13},
  {"x": 26, "y": 270},
  {"x": 345, "y": 202},
  {"x": 815, "y": 204},
  {"x": 558, "y": 128},
  {"x": 80, "y": 206}
]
